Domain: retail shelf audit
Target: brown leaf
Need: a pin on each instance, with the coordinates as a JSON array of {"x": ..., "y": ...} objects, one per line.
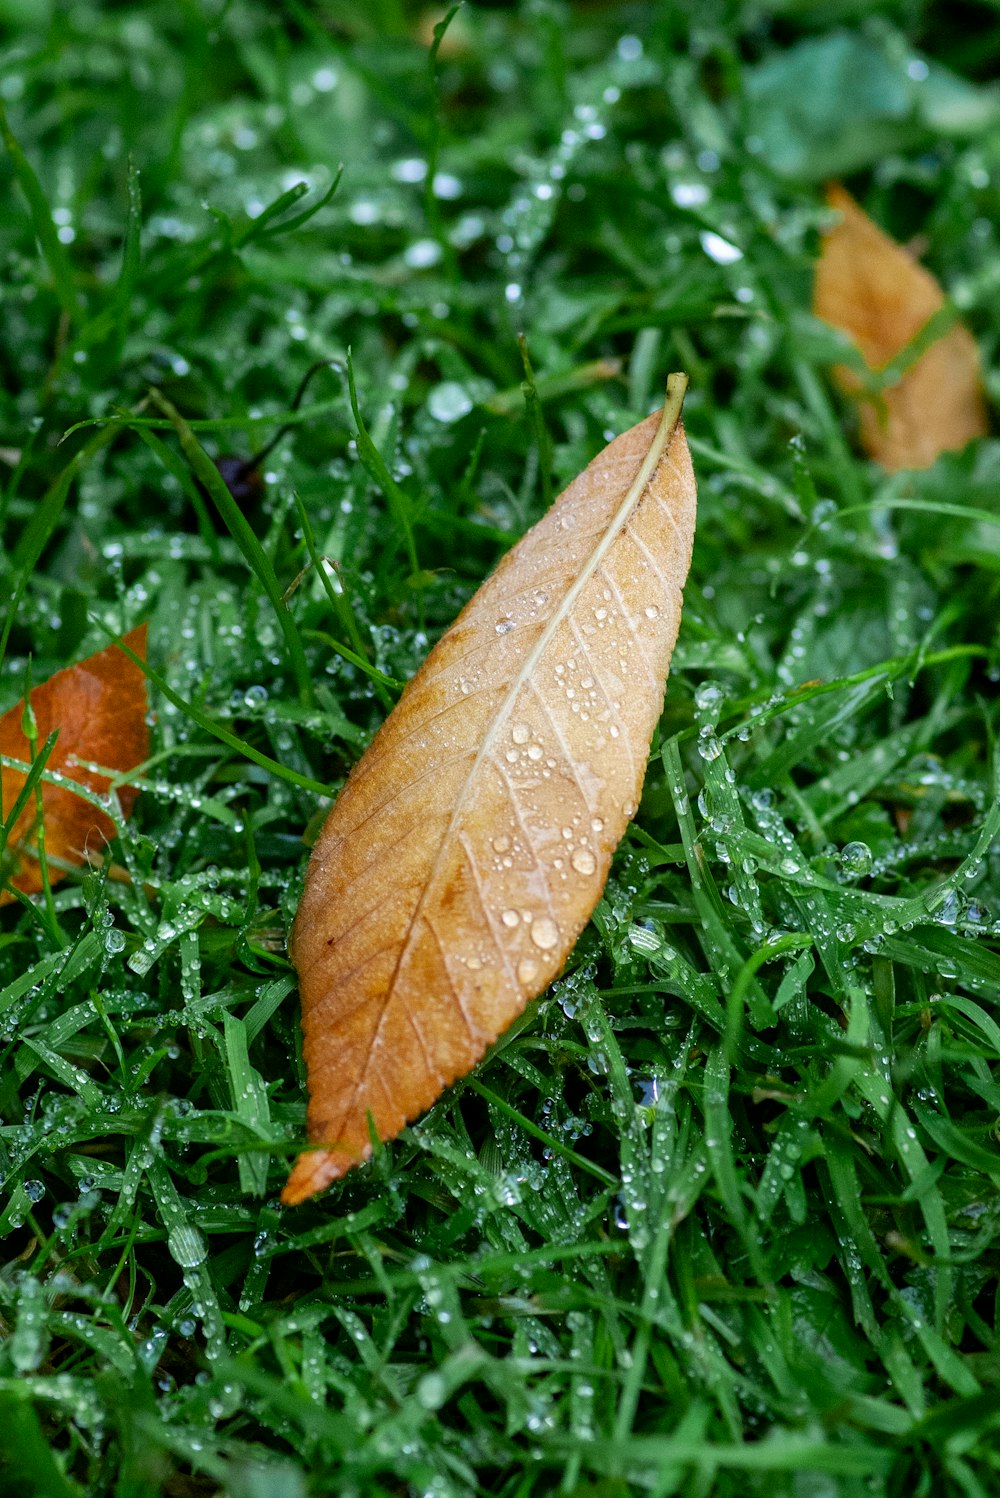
[
  {"x": 878, "y": 293},
  {"x": 99, "y": 708},
  {"x": 472, "y": 842}
]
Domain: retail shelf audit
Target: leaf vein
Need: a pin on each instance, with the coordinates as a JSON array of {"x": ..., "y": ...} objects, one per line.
[
  {"x": 553, "y": 722},
  {"x": 625, "y": 742},
  {"x": 550, "y": 908},
  {"x": 631, "y": 626},
  {"x": 404, "y": 790},
  {"x": 455, "y": 990},
  {"x": 484, "y": 907}
]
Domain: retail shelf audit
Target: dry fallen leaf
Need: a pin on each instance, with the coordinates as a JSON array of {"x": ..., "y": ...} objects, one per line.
[
  {"x": 877, "y": 292},
  {"x": 471, "y": 843},
  {"x": 99, "y": 708}
]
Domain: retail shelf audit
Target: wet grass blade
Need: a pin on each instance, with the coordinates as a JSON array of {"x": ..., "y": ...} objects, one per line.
[
  {"x": 53, "y": 250},
  {"x": 245, "y": 537}
]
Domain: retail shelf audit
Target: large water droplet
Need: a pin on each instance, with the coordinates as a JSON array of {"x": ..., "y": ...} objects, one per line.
[
  {"x": 422, "y": 253},
  {"x": 690, "y": 194},
  {"x": 187, "y": 1246},
  {"x": 722, "y": 251},
  {"x": 449, "y": 401},
  {"x": 432, "y": 1391},
  {"x": 410, "y": 169},
  {"x": 708, "y": 696},
  {"x": 544, "y": 933},
  {"x": 856, "y": 859}
]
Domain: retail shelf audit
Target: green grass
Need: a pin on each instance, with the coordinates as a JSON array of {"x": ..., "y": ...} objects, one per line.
[{"x": 719, "y": 1214}]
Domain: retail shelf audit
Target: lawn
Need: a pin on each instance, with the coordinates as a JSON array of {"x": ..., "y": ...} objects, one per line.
[{"x": 719, "y": 1214}]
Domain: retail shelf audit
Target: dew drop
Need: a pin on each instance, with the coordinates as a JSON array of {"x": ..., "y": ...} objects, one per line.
[
  {"x": 652, "y": 612},
  {"x": 709, "y": 747},
  {"x": 722, "y": 251},
  {"x": 422, "y": 253},
  {"x": 474, "y": 964},
  {"x": 597, "y": 824},
  {"x": 856, "y": 859},
  {"x": 584, "y": 861},
  {"x": 510, "y": 918},
  {"x": 690, "y": 194},
  {"x": 520, "y": 733},
  {"x": 501, "y": 843},
  {"x": 449, "y": 401},
  {"x": 544, "y": 933},
  {"x": 708, "y": 697},
  {"x": 527, "y": 970}
]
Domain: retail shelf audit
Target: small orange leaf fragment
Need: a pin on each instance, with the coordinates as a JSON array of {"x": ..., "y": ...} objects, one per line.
[
  {"x": 99, "y": 708},
  {"x": 877, "y": 292},
  {"x": 472, "y": 841}
]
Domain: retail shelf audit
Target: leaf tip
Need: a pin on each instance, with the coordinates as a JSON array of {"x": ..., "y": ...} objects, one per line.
[
  {"x": 316, "y": 1169},
  {"x": 837, "y": 196}
]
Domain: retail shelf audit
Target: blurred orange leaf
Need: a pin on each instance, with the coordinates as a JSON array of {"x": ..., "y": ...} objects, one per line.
[
  {"x": 99, "y": 708},
  {"x": 877, "y": 292}
]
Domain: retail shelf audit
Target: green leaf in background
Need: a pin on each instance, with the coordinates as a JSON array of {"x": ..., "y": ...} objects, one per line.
[{"x": 834, "y": 104}]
